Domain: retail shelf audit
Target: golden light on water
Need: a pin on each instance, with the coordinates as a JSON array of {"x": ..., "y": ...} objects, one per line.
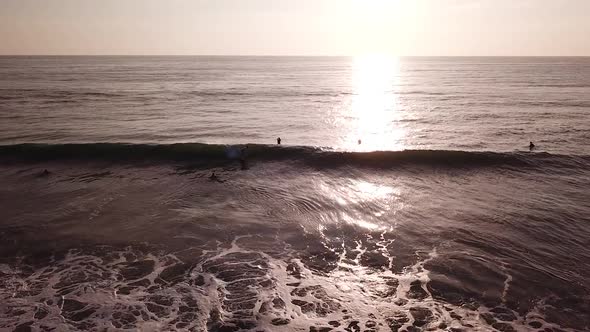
[
  {"x": 354, "y": 197},
  {"x": 374, "y": 107}
]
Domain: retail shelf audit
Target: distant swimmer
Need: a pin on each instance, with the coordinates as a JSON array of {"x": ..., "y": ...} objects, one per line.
[
  {"x": 531, "y": 146},
  {"x": 278, "y": 140}
]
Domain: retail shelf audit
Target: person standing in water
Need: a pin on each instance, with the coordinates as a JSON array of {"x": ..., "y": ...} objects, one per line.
[
  {"x": 531, "y": 146},
  {"x": 243, "y": 164},
  {"x": 278, "y": 140}
]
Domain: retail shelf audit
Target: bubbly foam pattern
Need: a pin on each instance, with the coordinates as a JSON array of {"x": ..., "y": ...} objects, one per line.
[{"x": 237, "y": 287}]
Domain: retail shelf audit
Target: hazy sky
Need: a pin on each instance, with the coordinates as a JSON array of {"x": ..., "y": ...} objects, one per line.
[{"x": 296, "y": 27}]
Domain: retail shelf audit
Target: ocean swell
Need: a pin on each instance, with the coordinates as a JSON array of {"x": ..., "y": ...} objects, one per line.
[{"x": 314, "y": 156}]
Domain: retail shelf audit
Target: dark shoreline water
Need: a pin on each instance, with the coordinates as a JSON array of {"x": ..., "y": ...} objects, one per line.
[{"x": 286, "y": 245}]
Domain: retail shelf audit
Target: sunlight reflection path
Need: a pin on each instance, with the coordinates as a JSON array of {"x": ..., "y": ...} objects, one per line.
[{"x": 374, "y": 110}]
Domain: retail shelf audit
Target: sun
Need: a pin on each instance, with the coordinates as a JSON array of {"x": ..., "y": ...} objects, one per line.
[{"x": 375, "y": 6}]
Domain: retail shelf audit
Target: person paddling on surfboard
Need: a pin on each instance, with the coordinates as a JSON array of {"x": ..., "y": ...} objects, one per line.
[{"x": 215, "y": 178}]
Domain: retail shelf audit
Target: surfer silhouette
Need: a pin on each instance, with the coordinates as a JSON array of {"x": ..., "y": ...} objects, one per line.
[
  {"x": 278, "y": 140},
  {"x": 215, "y": 178},
  {"x": 243, "y": 164},
  {"x": 531, "y": 146},
  {"x": 359, "y": 141}
]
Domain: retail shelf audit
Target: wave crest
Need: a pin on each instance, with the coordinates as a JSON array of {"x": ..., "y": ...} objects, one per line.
[{"x": 319, "y": 157}]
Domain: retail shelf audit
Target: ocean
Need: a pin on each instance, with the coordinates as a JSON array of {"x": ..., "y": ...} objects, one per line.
[{"x": 404, "y": 195}]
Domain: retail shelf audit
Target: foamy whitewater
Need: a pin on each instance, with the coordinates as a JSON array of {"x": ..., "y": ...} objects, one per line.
[{"x": 440, "y": 219}]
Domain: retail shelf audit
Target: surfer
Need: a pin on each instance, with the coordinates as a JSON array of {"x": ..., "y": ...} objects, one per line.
[
  {"x": 45, "y": 173},
  {"x": 243, "y": 164},
  {"x": 278, "y": 140},
  {"x": 531, "y": 146},
  {"x": 215, "y": 178},
  {"x": 359, "y": 141}
]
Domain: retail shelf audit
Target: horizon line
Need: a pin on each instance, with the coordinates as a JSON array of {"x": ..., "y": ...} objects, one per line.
[{"x": 293, "y": 55}]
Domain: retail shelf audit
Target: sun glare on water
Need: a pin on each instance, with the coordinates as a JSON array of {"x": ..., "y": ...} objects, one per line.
[
  {"x": 353, "y": 196},
  {"x": 373, "y": 109}
]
